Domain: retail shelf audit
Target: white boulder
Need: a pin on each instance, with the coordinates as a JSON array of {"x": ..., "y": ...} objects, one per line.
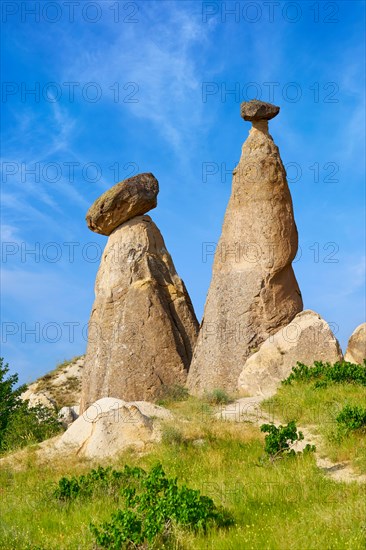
[
  {"x": 110, "y": 426},
  {"x": 306, "y": 339}
]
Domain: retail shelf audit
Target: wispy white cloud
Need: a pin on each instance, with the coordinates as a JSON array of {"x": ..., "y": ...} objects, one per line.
[
  {"x": 9, "y": 233},
  {"x": 43, "y": 139},
  {"x": 165, "y": 66},
  {"x": 352, "y": 88}
]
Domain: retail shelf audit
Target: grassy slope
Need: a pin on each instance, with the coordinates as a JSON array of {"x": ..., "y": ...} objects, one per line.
[
  {"x": 318, "y": 408},
  {"x": 288, "y": 505}
]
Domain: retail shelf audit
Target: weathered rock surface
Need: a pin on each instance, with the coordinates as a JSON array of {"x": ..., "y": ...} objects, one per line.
[
  {"x": 306, "y": 339},
  {"x": 356, "y": 349},
  {"x": 153, "y": 410},
  {"x": 60, "y": 387},
  {"x": 129, "y": 198},
  {"x": 253, "y": 292},
  {"x": 142, "y": 327},
  {"x": 39, "y": 398},
  {"x": 258, "y": 110},
  {"x": 68, "y": 415},
  {"x": 109, "y": 426}
]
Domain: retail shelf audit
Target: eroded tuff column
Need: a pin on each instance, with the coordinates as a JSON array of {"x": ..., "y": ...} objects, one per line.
[
  {"x": 253, "y": 291},
  {"x": 142, "y": 327}
]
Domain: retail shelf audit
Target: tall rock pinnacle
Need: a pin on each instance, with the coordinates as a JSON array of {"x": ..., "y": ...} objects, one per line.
[
  {"x": 253, "y": 292},
  {"x": 142, "y": 327}
]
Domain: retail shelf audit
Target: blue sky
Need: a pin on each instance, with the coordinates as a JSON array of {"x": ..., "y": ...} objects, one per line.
[{"x": 129, "y": 87}]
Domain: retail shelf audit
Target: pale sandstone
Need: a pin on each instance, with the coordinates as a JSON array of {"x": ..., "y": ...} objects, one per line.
[
  {"x": 308, "y": 338},
  {"x": 142, "y": 327},
  {"x": 356, "y": 349},
  {"x": 253, "y": 292},
  {"x": 110, "y": 426}
]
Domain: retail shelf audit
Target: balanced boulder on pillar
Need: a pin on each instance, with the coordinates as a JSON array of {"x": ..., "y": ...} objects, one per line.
[
  {"x": 125, "y": 200},
  {"x": 142, "y": 328},
  {"x": 253, "y": 292}
]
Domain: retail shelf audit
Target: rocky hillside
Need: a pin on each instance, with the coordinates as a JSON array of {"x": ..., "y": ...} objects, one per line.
[{"x": 59, "y": 388}]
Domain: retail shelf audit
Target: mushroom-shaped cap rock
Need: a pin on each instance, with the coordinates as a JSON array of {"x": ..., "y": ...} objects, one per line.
[
  {"x": 129, "y": 198},
  {"x": 258, "y": 110}
]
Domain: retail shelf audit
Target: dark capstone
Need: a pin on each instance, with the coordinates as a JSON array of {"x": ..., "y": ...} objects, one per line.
[{"x": 258, "y": 110}]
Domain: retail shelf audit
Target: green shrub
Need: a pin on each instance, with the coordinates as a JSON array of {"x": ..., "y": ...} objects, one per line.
[
  {"x": 351, "y": 418},
  {"x": 30, "y": 425},
  {"x": 172, "y": 436},
  {"x": 218, "y": 397},
  {"x": 173, "y": 393},
  {"x": 320, "y": 384},
  {"x": 324, "y": 373},
  {"x": 280, "y": 439},
  {"x": 19, "y": 424},
  {"x": 154, "y": 504},
  {"x": 9, "y": 397},
  {"x": 86, "y": 485}
]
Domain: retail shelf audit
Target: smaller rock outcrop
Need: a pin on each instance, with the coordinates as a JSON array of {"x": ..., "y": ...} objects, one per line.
[
  {"x": 356, "y": 349},
  {"x": 68, "y": 415},
  {"x": 110, "y": 426},
  {"x": 59, "y": 388},
  {"x": 306, "y": 339},
  {"x": 125, "y": 200},
  {"x": 38, "y": 398}
]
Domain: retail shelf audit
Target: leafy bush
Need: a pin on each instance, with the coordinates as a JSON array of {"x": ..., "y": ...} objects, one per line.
[
  {"x": 279, "y": 440},
  {"x": 153, "y": 504},
  {"x": 96, "y": 480},
  {"x": 30, "y": 425},
  {"x": 19, "y": 424},
  {"x": 218, "y": 397},
  {"x": 351, "y": 418},
  {"x": 323, "y": 373}
]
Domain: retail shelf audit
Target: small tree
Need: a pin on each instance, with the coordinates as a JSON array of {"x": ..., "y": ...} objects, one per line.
[
  {"x": 9, "y": 397},
  {"x": 279, "y": 440},
  {"x": 19, "y": 424}
]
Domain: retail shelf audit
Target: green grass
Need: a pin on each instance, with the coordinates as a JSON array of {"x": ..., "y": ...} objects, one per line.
[
  {"x": 218, "y": 397},
  {"x": 287, "y": 505},
  {"x": 317, "y": 408}
]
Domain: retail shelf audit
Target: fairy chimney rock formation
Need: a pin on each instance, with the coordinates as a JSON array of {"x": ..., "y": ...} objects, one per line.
[
  {"x": 142, "y": 326},
  {"x": 253, "y": 292}
]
